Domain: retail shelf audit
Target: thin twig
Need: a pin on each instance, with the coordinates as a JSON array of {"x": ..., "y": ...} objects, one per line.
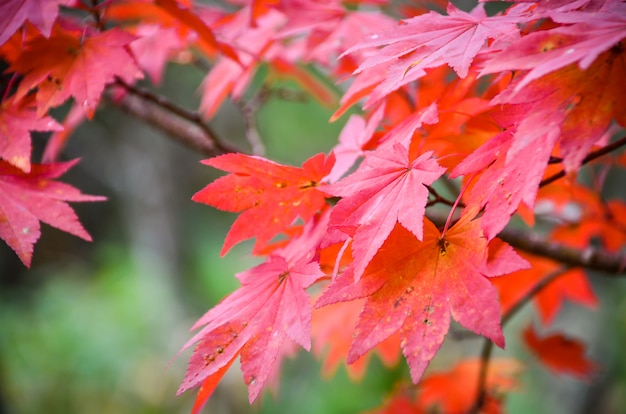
[
  {"x": 249, "y": 111},
  {"x": 485, "y": 356},
  {"x": 438, "y": 198},
  {"x": 591, "y": 156}
]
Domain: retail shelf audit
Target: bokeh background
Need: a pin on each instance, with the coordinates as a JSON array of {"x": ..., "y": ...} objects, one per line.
[{"x": 96, "y": 327}]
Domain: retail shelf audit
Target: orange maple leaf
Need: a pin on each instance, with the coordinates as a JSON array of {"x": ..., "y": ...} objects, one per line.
[
  {"x": 456, "y": 391},
  {"x": 271, "y": 196},
  {"x": 414, "y": 287},
  {"x": 560, "y": 353}
]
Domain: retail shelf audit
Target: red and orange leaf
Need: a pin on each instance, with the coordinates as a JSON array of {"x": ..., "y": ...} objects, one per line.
[
  {"x": 401, "y": 401},
  {"x": 389, "y": 187},
  {"x": 208, "y": 386},
  {"x": 41, "y": 13},
  {"x": 188, "y": 17},
  {"x": 581, "y": 104},
  {"x": 503, "y": 184},
  {"x": 70, "y": 63},
  {"x": 413, "y": 287},
  {"x": 456, "y": 391},
  {"x": 271, "y": 196},
  {"x": 271, "y": 305},
  {"x": 57, "y": 140},
  {"x": 560, "y": 354},
  {"x": 571, "y": 285},
  {"x": 27, "y": 198},
  {"x": 17, "y": 120}
]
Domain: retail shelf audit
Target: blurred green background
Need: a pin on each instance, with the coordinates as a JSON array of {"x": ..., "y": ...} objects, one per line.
[{"x": 94, "y": 327}]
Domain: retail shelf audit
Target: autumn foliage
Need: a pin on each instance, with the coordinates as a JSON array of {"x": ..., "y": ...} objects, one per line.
[{"x": 467, "y": 127}]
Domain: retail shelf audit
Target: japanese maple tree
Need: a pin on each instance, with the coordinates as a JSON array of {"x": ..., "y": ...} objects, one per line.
[{"x": 469, "y": 124}]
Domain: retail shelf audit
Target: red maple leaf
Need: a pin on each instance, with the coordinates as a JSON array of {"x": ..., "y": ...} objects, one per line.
[
  {"x": 271, "y": 196},
  {"x": 191, "y": 18},
  {"x": 504, "y": 184},
  {"x": 17, "y": 120},
  {"x": 572, "y": 285},
  {"x": 431, "y": 40},
  {"x": 41, "y": 13},
  {"x": 70, "y": 63},
  {"x": 271, "y": 305},
  {"x": 389, "y": 187},
  {"x": 352, "y": 142},
  {"x": 560, "y": 354},
  {"x": 27, "y": 198},
  {"x": 455, "y": 391},
  {"x": 413, "y": 287}
]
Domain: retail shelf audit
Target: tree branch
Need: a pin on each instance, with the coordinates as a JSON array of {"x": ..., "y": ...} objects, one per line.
[
  {"x": 181, "y": 124},
  {"x": 590, "y": 258},
  {"x": 485, "y": 355}
]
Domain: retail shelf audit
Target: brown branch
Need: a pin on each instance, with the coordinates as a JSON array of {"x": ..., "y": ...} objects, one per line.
[
  {"x": 181, "y": 124},
  {"x": 590, "y": 157},
  {"x": 590, "y": 258}
]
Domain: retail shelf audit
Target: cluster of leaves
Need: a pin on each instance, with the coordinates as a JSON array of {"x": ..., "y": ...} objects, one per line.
[{"x": 490, "y": 109}]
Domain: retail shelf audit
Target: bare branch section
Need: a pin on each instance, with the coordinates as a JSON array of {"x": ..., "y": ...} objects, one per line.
[
  {"x": 181, "y": 124},
  {"x": 590, "y": 258}
]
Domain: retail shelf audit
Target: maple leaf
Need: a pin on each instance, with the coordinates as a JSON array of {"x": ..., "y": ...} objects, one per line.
[
  {"x": 353, "y": 139},
  {"x": 41, "y": 13},
  {"x": 560, "y": 354},
  {"x": 155, "y": 46},
  {"x": 389, "y": 187},
  {"x": 549, "y": 50},
  {"x": 413, "y": 287},
  {"x": 191, "y": 19},
  {"x": 572, "y": 285},
  {"x": 455, "y": 391},
  {"x": 504, "y": 184},
  {"x": 271, "y": 196},
  {"x": 72, "y": 64},
  {"x": 27, "y": 198},
  {"x": 433, "y": 39},
  {"x": 17, "y": 120},
  {"x": 271, "y": 305}
]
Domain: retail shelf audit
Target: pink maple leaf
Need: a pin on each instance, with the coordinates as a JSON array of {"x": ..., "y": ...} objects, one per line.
[
  {"x": 27, "y": 198},
  {"x": 271, "y": 305},
  {"x": 17, "y": 120},
  {"x": 389, "y": 187},
  {"x": 41, "y": 13}
]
